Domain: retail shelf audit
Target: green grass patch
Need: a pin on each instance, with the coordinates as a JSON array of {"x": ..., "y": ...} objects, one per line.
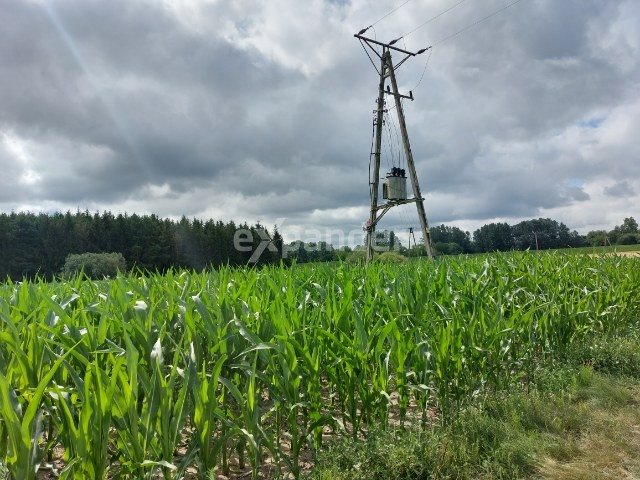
[
  {"x": 616, "y": 355},
  {"x": 570, "y": 413},
  {"x": 510, "y": 436}
]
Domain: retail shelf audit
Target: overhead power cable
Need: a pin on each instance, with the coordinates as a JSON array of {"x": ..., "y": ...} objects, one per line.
[
  {"x": 385, "y": 16},
  {"x": 477, "y": 22},
  {"x": 468, "y": 27},
  {"x": 424, "y": 70},
  {"x": 390, "y": 13},
  {"x": 375, "y": 34},
  {"x": 397, "y": 144},
  {"x": 392, "y": 144},
  {"x": 432, "y": 19}
]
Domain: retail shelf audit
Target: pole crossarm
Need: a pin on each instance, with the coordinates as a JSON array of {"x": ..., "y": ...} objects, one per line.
[
  {"x": 384, "y": 45},
  {"x": 397, "y": 203},
  {"x": 389, "y": 92},
  {"x": 388, "y": 206}
]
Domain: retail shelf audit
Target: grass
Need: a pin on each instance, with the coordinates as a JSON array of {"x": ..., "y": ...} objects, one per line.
[
  {"x": 580, "y": 420},
  {"x": 601, "y": 249},
  {"x": 607, "y": 444}
]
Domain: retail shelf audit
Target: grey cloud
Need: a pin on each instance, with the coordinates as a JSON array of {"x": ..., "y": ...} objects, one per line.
[
  {"x": 157, "y": 130},
  {"x": 577, "y": 194},
  {"x": 142, "y": 99},
  {"x": 620, "y": 189}
]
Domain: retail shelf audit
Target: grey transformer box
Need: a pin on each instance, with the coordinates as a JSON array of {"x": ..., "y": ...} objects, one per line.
[{"x": 394, "y": 186}]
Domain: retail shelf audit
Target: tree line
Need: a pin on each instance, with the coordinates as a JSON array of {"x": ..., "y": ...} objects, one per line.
[
  {"x": 38, "y": 244},
  {"x": 537, "y": 234}
]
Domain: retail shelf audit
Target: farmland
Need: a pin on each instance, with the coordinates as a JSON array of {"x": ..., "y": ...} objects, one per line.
[{"x": 161, "y": 375}]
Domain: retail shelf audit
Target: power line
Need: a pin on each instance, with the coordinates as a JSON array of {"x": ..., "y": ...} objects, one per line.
[
  {"x": 449, "y": 37},
  {"x": 391, "y": 12},
  {"x": 386, "y": 15},
  {"x": 477, "y": 22},
  {"x": 432, "y": 19},
  {"x": 424, "y": 70},
  {"x": 389, "y": 150},
  {"x": 468, "y": 27},
  {"x": 401, "y": 156},
  {"x": 390, "y": 141},
  {"x": 402, "y": 211}
]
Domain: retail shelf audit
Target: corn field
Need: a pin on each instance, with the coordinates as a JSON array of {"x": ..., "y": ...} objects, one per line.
[{"x": 179, "y": 375}]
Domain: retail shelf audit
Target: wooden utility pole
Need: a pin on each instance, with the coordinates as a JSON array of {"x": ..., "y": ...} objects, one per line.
[
  {"x": 374, "y": 182},
  {"x": 422, "y": 215},
  {"x": 387, "y": 70}
]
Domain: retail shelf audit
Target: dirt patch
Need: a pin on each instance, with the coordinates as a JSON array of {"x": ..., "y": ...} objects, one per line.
[
  {"x": 628, "y": 254},
  {"x": 617, "y": 254}
]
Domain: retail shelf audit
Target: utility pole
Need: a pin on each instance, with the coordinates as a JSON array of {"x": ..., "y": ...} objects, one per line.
[
  {"x": 373, "y": 212},
  {"x": 387, "y": 70},
  {"x": 414, "y": 239}
]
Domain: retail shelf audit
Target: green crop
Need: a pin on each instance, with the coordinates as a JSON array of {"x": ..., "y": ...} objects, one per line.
[{"x": 148, "y": 376}]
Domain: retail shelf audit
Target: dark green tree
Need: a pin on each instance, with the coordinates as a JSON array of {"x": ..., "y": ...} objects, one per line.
[
  {"x": 544, "y": 233},
  {"x": 443, "y": 234},
  {"x": 494, "y": 237},
  {"x": 597, "y": 238}
]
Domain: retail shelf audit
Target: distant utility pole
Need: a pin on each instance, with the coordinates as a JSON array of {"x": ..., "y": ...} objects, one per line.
[
  {"x": 414, "y": 240},
  {"x": 395, "y": 189}
]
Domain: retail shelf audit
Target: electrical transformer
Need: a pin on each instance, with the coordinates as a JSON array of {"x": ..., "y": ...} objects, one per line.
[{"x": 394, "y": 186}]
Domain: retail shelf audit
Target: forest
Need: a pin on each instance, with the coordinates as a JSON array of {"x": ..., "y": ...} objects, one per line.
[{"x": 38, "y": 244}]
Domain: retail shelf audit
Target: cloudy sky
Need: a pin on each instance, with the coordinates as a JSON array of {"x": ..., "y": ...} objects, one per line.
[{"x": 262, "y": 109}]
